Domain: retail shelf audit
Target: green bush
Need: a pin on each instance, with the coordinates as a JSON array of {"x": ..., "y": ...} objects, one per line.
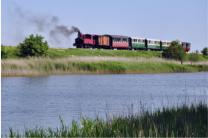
[
  {"x": 3, "y": 52},
  {"x": 33, "y": 46},
  {"x": 205, "y": 51},
  {"x": 174, "y": 51}
]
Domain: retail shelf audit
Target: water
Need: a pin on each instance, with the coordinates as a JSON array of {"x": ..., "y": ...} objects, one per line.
[{"x": 28, "y": 102}]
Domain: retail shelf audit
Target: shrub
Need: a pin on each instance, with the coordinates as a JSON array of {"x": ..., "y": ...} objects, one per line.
[
  {"x": 3, "y": 52},
  {"x": 174, "y": 51},
  {"x": 205, "y": 51},
  {"x": 33, "y": 46}
]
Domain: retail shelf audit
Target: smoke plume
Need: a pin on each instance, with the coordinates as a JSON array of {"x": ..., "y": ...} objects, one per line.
[{"x": 56, "y": 33}]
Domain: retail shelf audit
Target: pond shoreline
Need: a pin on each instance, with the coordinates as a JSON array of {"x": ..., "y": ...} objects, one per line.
[{"x": 88, "y": 73}]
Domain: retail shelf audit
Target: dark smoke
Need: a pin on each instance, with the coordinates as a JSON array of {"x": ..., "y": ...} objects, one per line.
[
  {"x": 64, "y": 30},
  {"x": 49, "y": 25}
]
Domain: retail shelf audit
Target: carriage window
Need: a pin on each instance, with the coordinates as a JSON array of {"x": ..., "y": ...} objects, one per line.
[
  {"x": 124, "y": 39},
  {"x": 116, "y": 39}
]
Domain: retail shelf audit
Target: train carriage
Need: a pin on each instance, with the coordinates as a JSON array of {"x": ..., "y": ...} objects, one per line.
[
  {"x": 186, "y": 46},
  {"x": 154, "y": 44},
  {"x": 121, "y": 42},
  {"x": 104, "y": 41},
  {"x": 165, "y": 44},
  {"x": 138, "y": 43}
]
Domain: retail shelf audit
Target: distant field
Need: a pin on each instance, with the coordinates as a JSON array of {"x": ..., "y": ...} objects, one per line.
[{"x": 12, "y": 52}]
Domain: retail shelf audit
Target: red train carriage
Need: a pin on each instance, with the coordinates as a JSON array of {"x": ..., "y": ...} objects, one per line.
[{"x": 121, "y": 42}]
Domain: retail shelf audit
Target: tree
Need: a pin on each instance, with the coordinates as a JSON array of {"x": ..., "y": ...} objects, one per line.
[
  {"x": 193, "y": 57},
  {"x": 174, "y": 51},
  {"x": 3, "y": 52},
  {"x": 205, "y": 51},
  {"x": 33, "y": 46}
]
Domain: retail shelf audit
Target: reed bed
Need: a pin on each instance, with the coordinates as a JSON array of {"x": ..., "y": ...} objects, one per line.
[
  {"x": 185, "y": 121},
  {"x": 96, "y": 65}
]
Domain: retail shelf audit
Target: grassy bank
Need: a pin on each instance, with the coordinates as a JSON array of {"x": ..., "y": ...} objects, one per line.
[
  {"x": 182, "y": 121},
  {"x": 96, "y": 65},
  {"x": 12, "y": 52}
]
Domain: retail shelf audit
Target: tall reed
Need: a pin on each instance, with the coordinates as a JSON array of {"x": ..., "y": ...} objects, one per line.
[
  {"x": 185, "y": 121},
  {"x": 46, "y": 66}
]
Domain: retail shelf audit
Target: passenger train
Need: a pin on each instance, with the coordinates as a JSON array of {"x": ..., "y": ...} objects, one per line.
[{"x": 123, "y": 42}]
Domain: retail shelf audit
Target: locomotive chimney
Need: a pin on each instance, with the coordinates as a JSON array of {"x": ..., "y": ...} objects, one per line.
[{"x": 79, "y": 33}]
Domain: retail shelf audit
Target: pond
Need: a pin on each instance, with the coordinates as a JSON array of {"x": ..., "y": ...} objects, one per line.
[{"x": 28, "y": 102}]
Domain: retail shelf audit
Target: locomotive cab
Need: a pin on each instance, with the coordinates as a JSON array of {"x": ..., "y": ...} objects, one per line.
[
  {"x": 78, "y": 42},
  {"x": 84, "y": 41}
]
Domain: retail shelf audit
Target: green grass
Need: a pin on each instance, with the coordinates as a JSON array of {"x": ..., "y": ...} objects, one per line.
[
  {"x": 185, "y": 121},
  {"x": 12, "y": 52},
  {"x": 101, "y": 52},
  {"x": 200, "y": 57},
  {"x": 47, "y": 66}
]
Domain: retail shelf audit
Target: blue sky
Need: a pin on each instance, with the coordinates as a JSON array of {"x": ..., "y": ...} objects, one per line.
[{"x": 160, "y": 19}]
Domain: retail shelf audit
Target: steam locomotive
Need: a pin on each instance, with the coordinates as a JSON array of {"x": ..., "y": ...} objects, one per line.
[{"x": 123, "y": 42}]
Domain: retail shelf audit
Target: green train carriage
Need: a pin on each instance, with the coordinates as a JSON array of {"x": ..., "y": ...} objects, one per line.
[
  {"x": 165, "y": 44},
  {"x": 139, "y": 43},
  {"x": 149, "y": 44},
  {"x": 154, "y": 44}
]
